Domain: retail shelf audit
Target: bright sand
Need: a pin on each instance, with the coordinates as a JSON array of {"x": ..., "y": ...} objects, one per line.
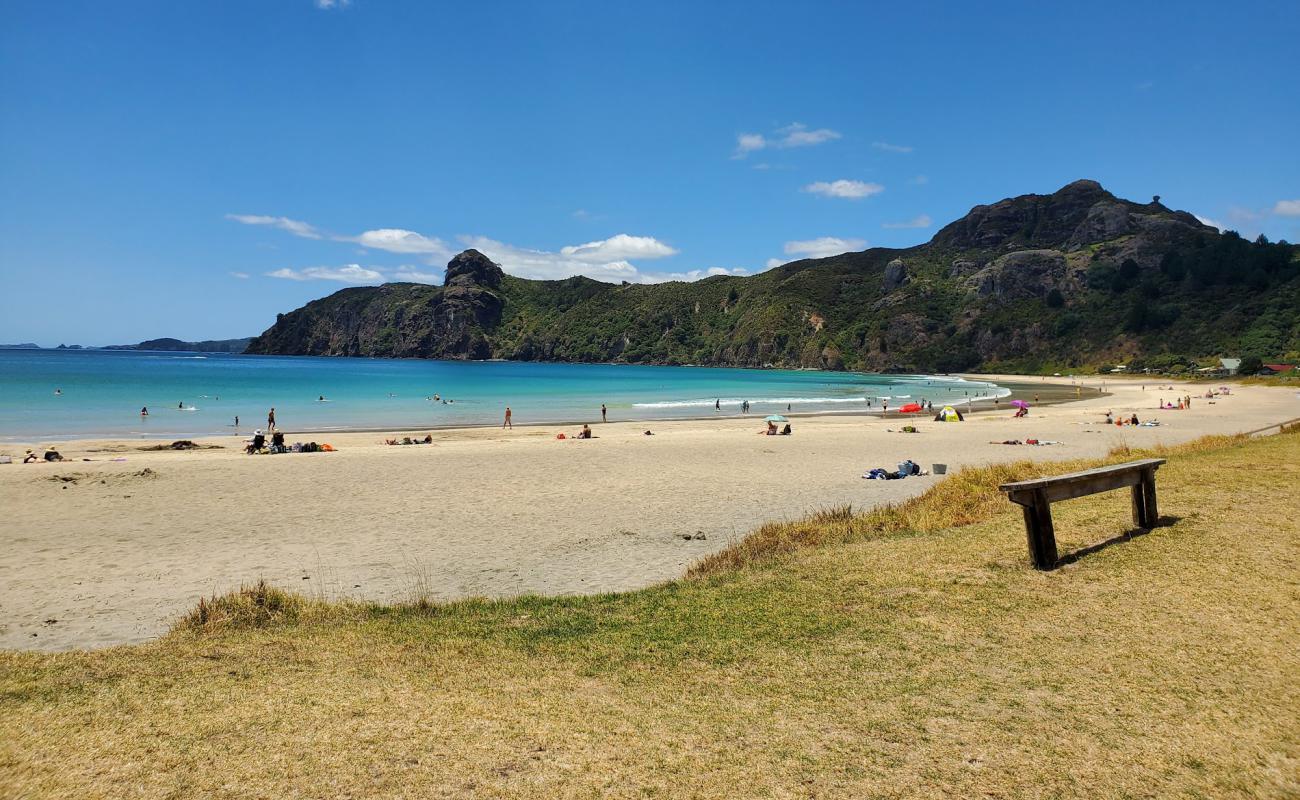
[{"x": 116, "y": 556}]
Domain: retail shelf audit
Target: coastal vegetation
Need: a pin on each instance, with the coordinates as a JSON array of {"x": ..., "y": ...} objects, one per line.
[
  {"x": 1036, "y": 283},
  {"x": 909, "y": 651}
]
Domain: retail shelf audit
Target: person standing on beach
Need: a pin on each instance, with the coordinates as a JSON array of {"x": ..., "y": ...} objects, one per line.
[
  {"x": 270, "y": 419},
  {"x": 603, "y": 418},
  {"x": 508, "y": 423}
]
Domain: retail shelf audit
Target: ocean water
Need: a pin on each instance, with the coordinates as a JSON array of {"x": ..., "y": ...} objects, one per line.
[{"x": 63, "y": 394}]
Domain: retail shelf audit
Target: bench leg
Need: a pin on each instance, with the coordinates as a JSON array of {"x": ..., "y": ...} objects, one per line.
[
  {"x": 1041, "y": 534},
  {"x": 1151, "y": 513},
  {"x": 1139, "y": 506}
]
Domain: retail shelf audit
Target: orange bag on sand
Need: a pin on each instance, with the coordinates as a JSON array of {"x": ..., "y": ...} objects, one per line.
[
  {"x": 328, "y": 448},
  {"x": 560, "y": 436}
]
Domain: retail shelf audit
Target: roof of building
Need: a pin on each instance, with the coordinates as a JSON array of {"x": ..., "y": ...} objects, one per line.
[{"x": 1230, "y": 363}]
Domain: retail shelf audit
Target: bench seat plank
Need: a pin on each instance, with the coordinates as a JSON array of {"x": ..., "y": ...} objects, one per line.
[{"x": 1083, "y": 475}]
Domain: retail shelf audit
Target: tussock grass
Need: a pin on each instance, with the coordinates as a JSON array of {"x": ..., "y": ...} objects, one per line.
[
  {"x": 879, "y": 664},
  {"x": 259, "y": 606}
]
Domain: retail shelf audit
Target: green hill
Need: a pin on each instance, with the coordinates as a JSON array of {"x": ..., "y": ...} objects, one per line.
[{"x": 1034, "y": 282}]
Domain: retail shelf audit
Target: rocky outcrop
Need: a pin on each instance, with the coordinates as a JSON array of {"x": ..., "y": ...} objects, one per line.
[
  {"x": 1021, "y": 275},
  {"x": 895, "y": 275}
]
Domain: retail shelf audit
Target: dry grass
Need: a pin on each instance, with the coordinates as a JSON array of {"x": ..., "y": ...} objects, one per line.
[
  {"x": 882, "y": 664},
  {"x": 968, "y": 496}
]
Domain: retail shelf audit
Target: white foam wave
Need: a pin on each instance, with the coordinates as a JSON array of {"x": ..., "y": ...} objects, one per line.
[{"x": 735, "y": 401}]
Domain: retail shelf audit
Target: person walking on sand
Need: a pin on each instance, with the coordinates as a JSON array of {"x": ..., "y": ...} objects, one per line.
[
  {"x": 508, "y": 423},
  {"x": 270, "y": 419},
  {"x": 603, "y": 418}
]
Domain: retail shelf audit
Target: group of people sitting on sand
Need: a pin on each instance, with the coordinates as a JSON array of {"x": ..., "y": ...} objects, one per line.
[
  {"x": 259, "y": 446},
  {"x": 772, "y": 431},
  {"x": 51, "y": 454},
  {"x": 428, "y": 439}
]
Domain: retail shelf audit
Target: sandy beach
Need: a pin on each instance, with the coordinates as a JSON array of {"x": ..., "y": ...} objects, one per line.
[{"x": 105, "y": 552}]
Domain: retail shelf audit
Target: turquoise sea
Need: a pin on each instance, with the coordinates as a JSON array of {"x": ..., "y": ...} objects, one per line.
[{"x": 63, "y": 394}]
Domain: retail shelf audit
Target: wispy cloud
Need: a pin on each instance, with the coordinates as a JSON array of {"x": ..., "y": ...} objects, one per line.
[
  {"x": 350, "y": 273},
  {"x": 243, "y": 276},
  {"x": 852, "y": 190},
  {"x": 919, "y": 180},
  {"x": 799, "y": 135},
  {"x": 892, "y": 148},
  {"x": 919, "y": 221},
  {"x": 1287, "y": 208},
  {"x": 1207, "y": 221},
  {"x": 397, "y": 240},
  {"x": 773, "y": 263},
  {"x": 823, "y": 246},
  {"x": 618, "y": 248},
  {"x": 796, "y": 134},
  {"x": 329, "y": 4},
  {"x": 605, "y": 260},
  {"x": 747, "y": 143},
  {"x": 413, "y": 275},
  {"x": 293, "y": 226}
]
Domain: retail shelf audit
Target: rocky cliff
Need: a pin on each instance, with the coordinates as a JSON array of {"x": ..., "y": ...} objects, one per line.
[{"x": 1075, "y": 277}]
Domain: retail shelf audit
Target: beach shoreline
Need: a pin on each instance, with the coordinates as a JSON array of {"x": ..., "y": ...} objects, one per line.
[
  {"x": 108, "y": 552},
  {"x": 1051, "y": 393}
]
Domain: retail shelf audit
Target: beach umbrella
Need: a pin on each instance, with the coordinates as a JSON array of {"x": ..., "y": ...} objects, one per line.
[
  {"x": 1019, "y": 404},
  {"x": 910, "y": 408},
  {"x": 776, "y": 418}
]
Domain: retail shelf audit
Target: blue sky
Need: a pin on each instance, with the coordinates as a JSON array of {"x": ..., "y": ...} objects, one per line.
[{"x": 191, "y": 169}]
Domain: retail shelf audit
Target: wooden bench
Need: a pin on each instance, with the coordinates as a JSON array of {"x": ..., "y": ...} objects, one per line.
[{"x": 1036, "y": 497}]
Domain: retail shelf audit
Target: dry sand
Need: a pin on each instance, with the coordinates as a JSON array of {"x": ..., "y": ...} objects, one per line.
[{"x": 118, "y": 552}]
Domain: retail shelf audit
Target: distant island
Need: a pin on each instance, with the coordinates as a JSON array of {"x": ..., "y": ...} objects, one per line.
[
  {"x": 164, "y": 345},
  {"x": 176, "y": 345},
  {"x": 1032, "y": 283}
]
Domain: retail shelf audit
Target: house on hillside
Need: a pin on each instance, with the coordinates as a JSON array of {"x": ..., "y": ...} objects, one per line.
[
  {"x": 1275, "y": 369},
  {"x": 1229, "y": 366}
]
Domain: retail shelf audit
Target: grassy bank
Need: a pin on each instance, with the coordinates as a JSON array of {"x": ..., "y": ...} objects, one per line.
[{"x": 905, "y": 652}]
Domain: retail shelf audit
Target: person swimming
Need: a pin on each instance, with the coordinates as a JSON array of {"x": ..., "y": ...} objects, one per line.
[{"x": 144, "y": 411}]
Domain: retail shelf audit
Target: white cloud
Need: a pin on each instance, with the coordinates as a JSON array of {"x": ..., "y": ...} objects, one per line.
[
  {"x": 1208, "y": 221},
  {"x": 350, "y": 273},
  {"x": 413, "y": 275},
  {"x": 823, "y": 246},
  {"x": 1287, "y": 208},
  {"x": 774, "y": 262},
  {"x": 328, "y": 4},
  {"x": 691, "y": 275},
  {"x": 747, "y": 143},
  {"x": 546, "y": 265},
  {"x": 283, "y": 223},
  {"x": 243, "y": 276},
  {"x": 796, "y": 134},
  {"x": 919, "y": 180},
  {"x": 892, "y": 148},
  {"x": 618, "y": 248},
  {"x": 919, "y": 221},
  {"x": 396, "y": 240},
  {"x": 853, "y": 190}
]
